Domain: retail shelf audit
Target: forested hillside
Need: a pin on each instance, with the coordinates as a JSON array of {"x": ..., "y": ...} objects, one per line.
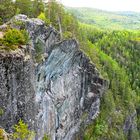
[
  {"x": 116, "y": 54},
  {"x": 105, "y": 19}
]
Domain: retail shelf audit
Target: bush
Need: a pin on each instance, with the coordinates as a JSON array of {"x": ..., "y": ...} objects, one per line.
[
  {"x": 101, "y": 128},
  {"x": 0, "y": 21},
  {"x": 13, "y": 38},
  {"x": 19, "y": 24},
  {"x": 22, "y": 132},
  {"x": 43, "y": 17},
  {"x": 67, "y": 35},
  {"x": 1, "y": 111},
  {"x": 38, "y": 51},
  {"x": 1, "y": 134},
  {"x": 26, "y": 36},
  {"x": 45, "y": 137}
]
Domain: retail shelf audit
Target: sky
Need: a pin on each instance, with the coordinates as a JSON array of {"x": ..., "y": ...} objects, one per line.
[{"x": 109, "y": 5}]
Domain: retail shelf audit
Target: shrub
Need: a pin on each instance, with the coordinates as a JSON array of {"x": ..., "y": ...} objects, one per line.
[
  {"x": 67, "y": 35},
  {"x": 101, "y": 128},
  {"x": 38, "y": 51},
  {"x": 45, "y": 137},
  {"x": 19, "y": 24},
  {"x": 13, "y": 38},
  {"x": 43, "y": 17},
  {"x": 22, "y": 132},
  {"x": 0, "y": 21},
  {"x": 1, "y": 134},
  {"x": 1, "y": 111},
  {"x": 26, "y": 36}
]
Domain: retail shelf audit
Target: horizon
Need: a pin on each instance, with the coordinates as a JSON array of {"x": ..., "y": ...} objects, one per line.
[
  {"x": 106, "y": 5},
  {"x": 102, "y": 9}
]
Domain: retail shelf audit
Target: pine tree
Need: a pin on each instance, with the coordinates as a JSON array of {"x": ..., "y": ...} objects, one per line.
[
  {"x": 7, "y": 10},
  {"x": 38, "y": 7},
  {"x": 24, "y": 7}
]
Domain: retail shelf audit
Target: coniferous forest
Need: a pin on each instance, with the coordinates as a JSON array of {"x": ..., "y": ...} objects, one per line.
[{"x": 114, "y": 48}]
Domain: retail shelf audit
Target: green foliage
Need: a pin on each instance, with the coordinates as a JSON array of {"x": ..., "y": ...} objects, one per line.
[
  {"x": 1, "y": 111},
  {"x": 39, "y": 51},
  {"x": 101, "y": 128},
  {"x": 38, "y": 7},
  {"x": 26, "y": 36},
  {"x": 43, "y": 17},
  {"x": 0, "y": 21},
  {"x": 24, "y": 7},
  {"x": 52, "y": 13},
  {"x": 45, "y": 137},
  {"x": 7, "y": 10},
  {"x": 21, "y": 131},
  {"x": 1, "y": 134},
  {"x": 60, "y": 19},
  {"x": 67, "y": 35},
  {"x": 114, "y": 44},
  {"x": 107, "y": 20},
  {"x": 13, "y": 37},
  {"x": 114, "y": 53},
  {"x": 19, "y": 24}
]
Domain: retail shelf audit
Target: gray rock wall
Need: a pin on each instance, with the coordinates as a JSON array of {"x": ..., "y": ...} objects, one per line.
[
  {"x": 68, "y": 87},
  {"x": 17, "y": 91}
]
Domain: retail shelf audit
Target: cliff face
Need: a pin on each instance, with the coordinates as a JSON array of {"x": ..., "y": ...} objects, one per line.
[
  {"x": 68, "y": 91},
  {"x": 17, "y": 92},
  {"x": 56, "y": 97}
]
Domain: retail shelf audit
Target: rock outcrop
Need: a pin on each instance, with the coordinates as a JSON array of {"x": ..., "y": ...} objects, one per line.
[
  {"x": 17, "y": 91},
  {"x": 55, "y": 97}
]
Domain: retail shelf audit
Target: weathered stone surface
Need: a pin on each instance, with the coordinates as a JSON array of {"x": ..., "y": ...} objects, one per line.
[
  {"x": 64, "y": 82},
  {"x": 37, "y": 31},
  {"x": 17, "y": 92},
  {"x": 58, "y": 95}
]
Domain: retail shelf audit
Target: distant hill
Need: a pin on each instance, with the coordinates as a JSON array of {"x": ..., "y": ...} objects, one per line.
[{"x": 105, "y": 19}]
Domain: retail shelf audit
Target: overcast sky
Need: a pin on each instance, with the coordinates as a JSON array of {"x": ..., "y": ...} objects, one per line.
[{"x": 110, "y": 5}]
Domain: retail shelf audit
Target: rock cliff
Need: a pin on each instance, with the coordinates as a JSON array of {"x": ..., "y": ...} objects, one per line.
[
  {"x": 17, "y": 91},
  {"x": 57, "y": 96}
]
